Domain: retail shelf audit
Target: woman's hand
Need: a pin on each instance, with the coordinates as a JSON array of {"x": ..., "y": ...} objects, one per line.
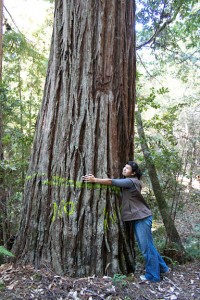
[{"x": 88, "y": 178}]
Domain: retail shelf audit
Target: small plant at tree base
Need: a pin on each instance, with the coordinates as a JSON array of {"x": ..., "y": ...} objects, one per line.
[
  {"x": 119, "y": 278},
  {"x": 2, "y": 286}
]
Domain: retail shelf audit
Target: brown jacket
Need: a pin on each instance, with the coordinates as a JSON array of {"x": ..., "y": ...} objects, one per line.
[{"x": 134, "y": 207}]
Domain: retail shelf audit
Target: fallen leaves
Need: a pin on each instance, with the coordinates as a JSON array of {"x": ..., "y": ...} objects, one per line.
[{"x": 25, "y": 282}]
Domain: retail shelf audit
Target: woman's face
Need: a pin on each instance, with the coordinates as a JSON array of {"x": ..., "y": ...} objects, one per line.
[{"x": 127, "y": 171}]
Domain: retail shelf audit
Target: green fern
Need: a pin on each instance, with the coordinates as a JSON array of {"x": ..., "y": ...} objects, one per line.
[{"x": 4, "y": 251}]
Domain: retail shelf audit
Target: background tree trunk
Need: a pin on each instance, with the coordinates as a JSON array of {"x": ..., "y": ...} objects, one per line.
[
  {"x": 85, "y": 125},
  {"x": 172, "y": 233},
  {"x": 3, "y": 219},
  {"x": 1, "y": 37}
]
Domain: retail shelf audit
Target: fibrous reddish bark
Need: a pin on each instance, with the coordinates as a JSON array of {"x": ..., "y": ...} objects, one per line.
[{"x": 85, "y": 125}]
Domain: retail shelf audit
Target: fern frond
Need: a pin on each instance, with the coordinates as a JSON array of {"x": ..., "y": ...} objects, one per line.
[{"x": 4, "y": 251}]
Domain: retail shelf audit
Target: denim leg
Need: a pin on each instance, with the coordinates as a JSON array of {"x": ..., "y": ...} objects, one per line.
[{"x": 154, "y": 261}]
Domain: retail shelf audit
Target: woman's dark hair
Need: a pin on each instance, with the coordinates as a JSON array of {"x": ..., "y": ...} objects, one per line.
[{"x": 135, "y": 168}]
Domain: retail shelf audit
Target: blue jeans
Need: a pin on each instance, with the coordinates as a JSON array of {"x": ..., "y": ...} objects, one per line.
[{"x": 154, "y": 262}]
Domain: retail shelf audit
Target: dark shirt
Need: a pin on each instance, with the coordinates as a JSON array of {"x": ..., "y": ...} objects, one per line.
[
  {"x": 124, "y": 183},
  {"x": 134, "y": 207}
]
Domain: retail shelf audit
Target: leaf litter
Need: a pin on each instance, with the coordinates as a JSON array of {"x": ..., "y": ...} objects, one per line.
[{"x": 26, "y": 282}]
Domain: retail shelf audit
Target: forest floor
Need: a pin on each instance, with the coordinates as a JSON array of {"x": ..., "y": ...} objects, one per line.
[
  {"x": 18, "y": 283},
  {"x": 182, "y": 283}
]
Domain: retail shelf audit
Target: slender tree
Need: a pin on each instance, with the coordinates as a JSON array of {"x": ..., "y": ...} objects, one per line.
[
  {"x": 85, "y": 125},
  {"x": 1, "y": 37},
  {"x": 2, "y": 188},
  {"x": 172, "y": 233}
]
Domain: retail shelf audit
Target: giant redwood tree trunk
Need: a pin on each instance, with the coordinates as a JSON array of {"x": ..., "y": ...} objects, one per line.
[{"x": 85, "y": 125}]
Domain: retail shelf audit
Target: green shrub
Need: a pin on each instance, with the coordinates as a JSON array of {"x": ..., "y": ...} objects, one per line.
[
  {"x": 193, "y": 243},
  {"x": 119, "y": 279}
]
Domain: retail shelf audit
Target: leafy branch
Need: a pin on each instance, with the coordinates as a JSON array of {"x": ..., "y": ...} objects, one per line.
[{"x": 160, "y": 28}]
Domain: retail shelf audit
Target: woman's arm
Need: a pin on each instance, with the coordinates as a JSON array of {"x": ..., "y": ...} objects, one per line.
[
  {"x": 90, "y": 178},
  {"x": 123, "y": 183}
]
